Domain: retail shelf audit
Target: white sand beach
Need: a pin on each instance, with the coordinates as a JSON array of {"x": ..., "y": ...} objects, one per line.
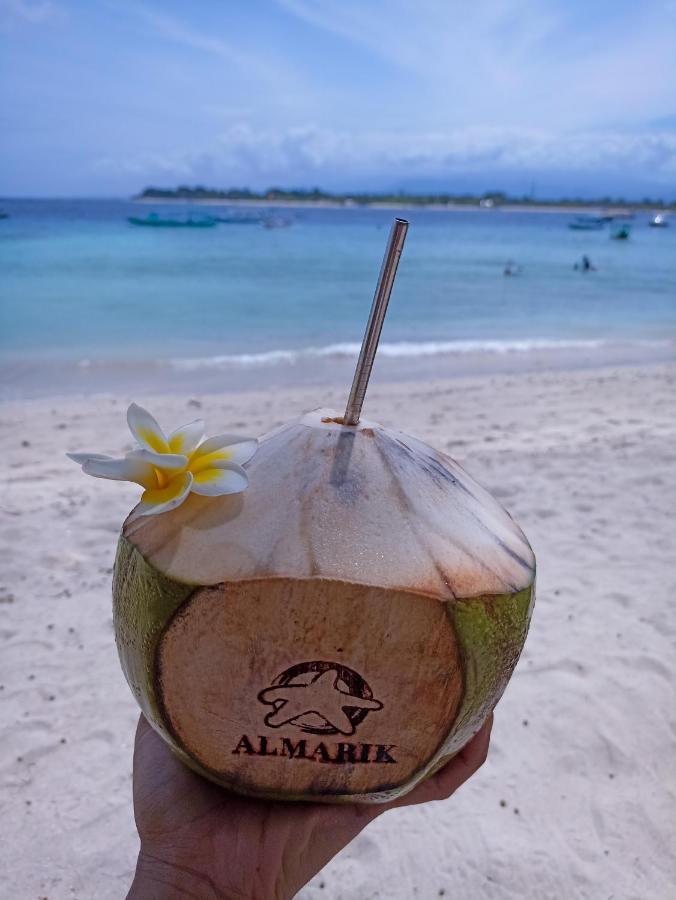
[{"x": 578, "y": 796}]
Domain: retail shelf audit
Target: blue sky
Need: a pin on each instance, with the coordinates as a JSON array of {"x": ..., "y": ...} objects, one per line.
[{"x": 102, "y": 97}]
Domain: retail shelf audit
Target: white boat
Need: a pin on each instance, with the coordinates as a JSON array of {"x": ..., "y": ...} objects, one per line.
[{"x": 659, "y": 221}]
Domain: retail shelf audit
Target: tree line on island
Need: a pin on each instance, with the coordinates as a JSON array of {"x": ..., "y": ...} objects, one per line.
[{"x": 317, "y": 195}]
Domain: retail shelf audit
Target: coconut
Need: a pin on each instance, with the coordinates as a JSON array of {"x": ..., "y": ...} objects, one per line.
[{"x": 339, "y": 630}]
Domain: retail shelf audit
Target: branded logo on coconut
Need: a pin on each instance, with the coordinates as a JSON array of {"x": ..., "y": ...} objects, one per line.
[{"x": 319, "y": 698}]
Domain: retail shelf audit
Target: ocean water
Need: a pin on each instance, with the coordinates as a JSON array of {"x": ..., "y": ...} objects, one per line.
[{"x": 82, "y": 290}]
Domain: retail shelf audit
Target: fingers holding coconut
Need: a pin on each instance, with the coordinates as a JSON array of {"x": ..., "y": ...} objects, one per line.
[
  {"x": 455, "y": 773},
  {"x": 468, "y": 761}
]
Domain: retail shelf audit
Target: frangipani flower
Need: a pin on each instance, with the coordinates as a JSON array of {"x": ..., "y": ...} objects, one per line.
[{"x": 171, "y": 467}]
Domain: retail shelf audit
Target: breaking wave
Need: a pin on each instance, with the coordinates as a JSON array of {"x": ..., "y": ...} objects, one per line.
[{"x": 394, "y": 350}]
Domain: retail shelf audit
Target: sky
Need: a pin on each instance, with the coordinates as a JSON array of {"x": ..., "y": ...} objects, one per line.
[{"x": 542, "y": 97}]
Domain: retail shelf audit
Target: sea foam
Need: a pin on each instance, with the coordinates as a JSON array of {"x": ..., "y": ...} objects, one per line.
[{"x": 394, "y": 350}]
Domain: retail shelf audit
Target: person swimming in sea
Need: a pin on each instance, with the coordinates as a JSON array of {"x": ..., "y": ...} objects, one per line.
[{"x": 585, "y": 265}]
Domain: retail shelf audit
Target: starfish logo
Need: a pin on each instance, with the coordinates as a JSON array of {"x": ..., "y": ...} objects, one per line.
[{"x": 320, "y": 698}]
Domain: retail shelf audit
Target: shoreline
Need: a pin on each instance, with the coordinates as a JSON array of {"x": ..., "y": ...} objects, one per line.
[
  {"x": 432, "y": 207},
  {"x": 28, "y": 378}
]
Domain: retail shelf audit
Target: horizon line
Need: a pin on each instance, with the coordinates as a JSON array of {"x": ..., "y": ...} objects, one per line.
[{"x": 374, "y": 196}]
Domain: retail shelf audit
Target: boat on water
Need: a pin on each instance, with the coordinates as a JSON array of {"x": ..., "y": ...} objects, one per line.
[
  {"x": 154, "y": 221},
  {"x": 239, "y": 220},
  {"x": 659, "y": 221},
  {"x": 588, "y": 223},
  {"x": 4, "y": 215},
  {"x": 621, "y": 234}
]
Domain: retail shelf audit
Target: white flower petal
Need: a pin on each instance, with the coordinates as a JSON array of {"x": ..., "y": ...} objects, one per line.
[
  {"x": 220, "y": 441},
  {"x": 146, "y": 430},
  {"x": 186, "y": 438},
  {"x": 127, "y": 469},
  {"x": 242, "y": 450},
  {"x": 154, "y": 502},
  {"x": 169, "y": 461},
  {"x": 223, "y": 447},
  {"x": 215, "y": 482},
  {"x": 81, "y": 458}
]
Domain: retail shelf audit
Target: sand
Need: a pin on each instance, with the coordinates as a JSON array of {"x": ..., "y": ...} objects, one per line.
[{"x": 578, "y": 797}]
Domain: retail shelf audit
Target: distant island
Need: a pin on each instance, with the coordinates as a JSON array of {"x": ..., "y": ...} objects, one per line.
[{"x": 276, "y": 196}]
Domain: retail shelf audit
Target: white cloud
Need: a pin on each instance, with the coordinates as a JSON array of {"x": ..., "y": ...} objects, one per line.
[
  {"x": 495, "y": 81},
  {"x": 550, "y": 63},
  {"x": 388, "y": 90},
  {"x": 257, "y": 65},
  {"x": 245, "y": 152},
  {"x": 175, "y": 30}
]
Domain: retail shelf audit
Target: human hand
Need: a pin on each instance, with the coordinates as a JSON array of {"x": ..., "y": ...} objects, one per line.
[{"x": 203, "y": 842}]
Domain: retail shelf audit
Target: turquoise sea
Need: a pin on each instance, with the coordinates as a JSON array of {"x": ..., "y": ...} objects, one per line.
[{"x": 88, "y": 300}]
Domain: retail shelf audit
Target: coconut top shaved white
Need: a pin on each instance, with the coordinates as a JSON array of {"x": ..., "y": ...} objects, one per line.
[{"x": 359, "y": 504}]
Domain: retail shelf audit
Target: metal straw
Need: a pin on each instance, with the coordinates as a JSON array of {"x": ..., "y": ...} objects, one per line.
[{"x": 374, "y": 326}]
